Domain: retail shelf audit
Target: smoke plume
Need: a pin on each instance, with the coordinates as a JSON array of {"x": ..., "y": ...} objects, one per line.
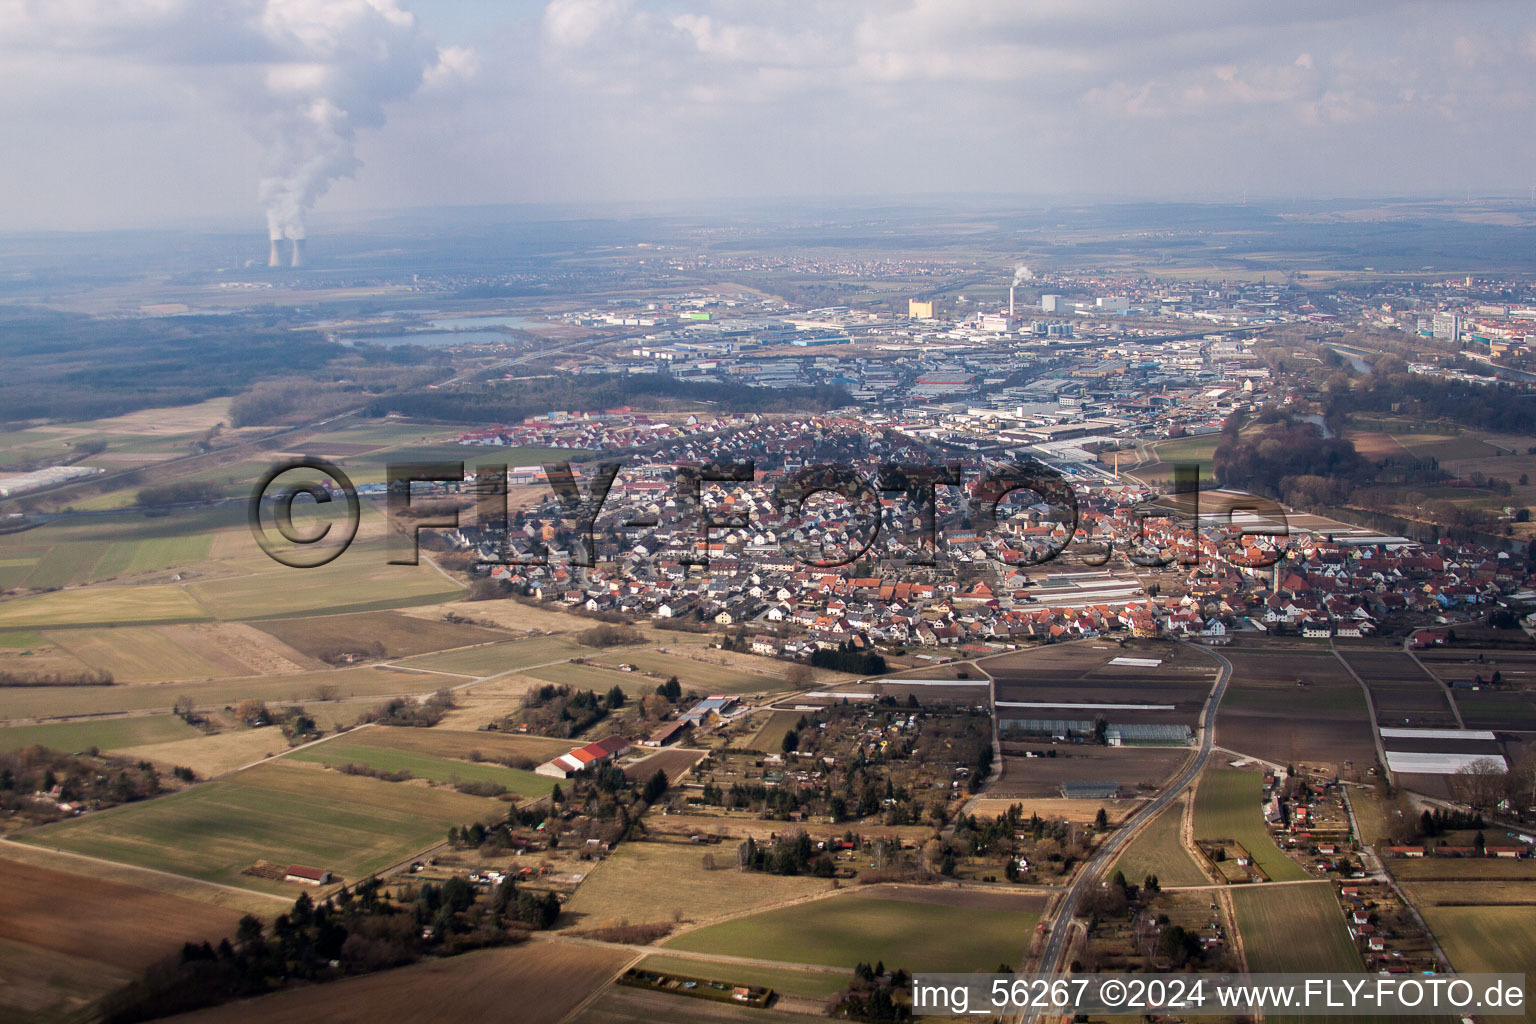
[
  {"x": 1021, "y": 273},
  {"x": 307, "y": 75}
]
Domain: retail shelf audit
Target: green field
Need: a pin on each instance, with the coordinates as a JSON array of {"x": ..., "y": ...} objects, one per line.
[
  {"x": 276, "y": 812},
  {"x": 424, "y": 766},
  {"x": 361, "y": 580},
  {"x": 61, "y": 555},
  {"x": 1492, "y": 939},
  {"x": 696, "y": 675},
  {"x": 1159, "y": 851},
  {"x": 1228, "y": 806},
  {"x": 841, "y": 931},
  {"x": 1201, "y": 448},
  {"x": 22, "y": 638},
  {"x": 589, "y": 677},
  {"x": 492, "y": 659},
  {"x": 107, "y": 734},
  {"x": 103, "y": 606},
  {"x": 1272, "y": 920},
  {"x": 807, "y": 984}
]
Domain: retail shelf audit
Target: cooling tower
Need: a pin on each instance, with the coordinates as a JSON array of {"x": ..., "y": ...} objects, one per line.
[
  {"x": 274, "y": 257},
  {"x": 298, "y": 252}
]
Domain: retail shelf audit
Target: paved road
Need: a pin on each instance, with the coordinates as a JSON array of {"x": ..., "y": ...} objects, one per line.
[{"x": 1088, "y": 877}]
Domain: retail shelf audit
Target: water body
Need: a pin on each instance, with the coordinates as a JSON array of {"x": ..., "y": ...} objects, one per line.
[
  {"x": 471, "y": 322},
  {"x": 1359, "y": 365},
  {"x": 437, "y": 339},
  {"x": 1313, "y": 417}
]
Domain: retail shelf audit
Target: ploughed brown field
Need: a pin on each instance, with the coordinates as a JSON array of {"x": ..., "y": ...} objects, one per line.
[
  {"x": 1292, "y": 707},
  {"x": 1130, "y": 767},
  {"x": 1082, "y": 673},
  {"x": 113, "y": 924},
  {"x": 400, "y": 635},
  {"x": 534, "y": 983},
  {"x": 674, "y": 762},
  {"x": 1405, "y": 694}
]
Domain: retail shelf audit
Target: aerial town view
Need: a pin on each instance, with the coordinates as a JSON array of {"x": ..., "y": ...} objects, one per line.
[{"x": 582, "y": 512}]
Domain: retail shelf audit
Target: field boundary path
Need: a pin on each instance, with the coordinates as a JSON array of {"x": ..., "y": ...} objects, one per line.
[
  {"x": 65, "y": 855},
  {"x": 1066, "y": 908},
  {"x": 1450, "y": 695},
  {"x": 1370, "y": 707}
]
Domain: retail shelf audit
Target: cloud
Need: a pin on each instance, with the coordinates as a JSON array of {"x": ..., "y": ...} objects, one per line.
[{"x": 305, "y": 75}]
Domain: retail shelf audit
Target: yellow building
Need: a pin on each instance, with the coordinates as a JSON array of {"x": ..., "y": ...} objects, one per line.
[{"x": 919, "y": 310}]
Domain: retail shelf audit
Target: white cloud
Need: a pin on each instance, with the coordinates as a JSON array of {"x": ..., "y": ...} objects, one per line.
[{"x": 574, "y": 99}]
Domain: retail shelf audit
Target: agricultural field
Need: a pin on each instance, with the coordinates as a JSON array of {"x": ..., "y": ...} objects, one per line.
[
  {"x": 495, "y": 658},
  {"x": 1405, "y": 694},
  {"x": 40, "y": 986},
  {"x": 624, "y": 886},
  {"x": 277, "y": 812},
  {"x": 1160, "y": 851},
  {"x": 459, "y": 743},
  {"x": 360, "y": 580},
  {"x": 219, "y": 753},
  {"x": 1064, "y": 677},
  {"x": 334, "y": 684},
  {"x": 1461, "y": 869},
  {"x": 623, "y": 1004},
  {"x": 1472, "y": 892},
  {"x": 344, "y": 751},
  {"x": 107, "y": 922},
  {"x": 533, "y": 983},
  {"x": 103, "y": 606},
  {"x": 1496, "y": 939},
  {"x": 842, "y": 930},
  {"x": 1492, "y": 709},
  {"x": 400, "y": 635},
  {"x": 1271, "y": 918},
  {"x": 675, "y": 762},
  {"x": 69, "y": 939},
  {"x": 1136, "y": 770},
  {"x": 770, "y": 737},
  {"x": 695, "y": 674},
  {"x": 1228, "y": 806},
  {"x": 1294, "y": 707},
  {"x": 590, "y": 677},
  {"x": 72, "y": 554},
  {"x": 158, "y": 654},
  {"x": 112, "y": 734},
  {"x": 815, "y": 984}
]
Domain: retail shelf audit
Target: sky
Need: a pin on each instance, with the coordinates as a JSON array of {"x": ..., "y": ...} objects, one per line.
[{"x": 143, "y": 113}]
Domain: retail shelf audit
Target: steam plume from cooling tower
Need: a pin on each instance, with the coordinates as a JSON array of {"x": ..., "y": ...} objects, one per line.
[
  {"x": 336, "y": 63},
  {"x": 307, "y": 74}
]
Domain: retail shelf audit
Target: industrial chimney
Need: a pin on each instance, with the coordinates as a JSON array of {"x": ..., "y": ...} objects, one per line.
[
  {"x": 298, "y": 252},
  {"x": 274, "y": 257},
  {"x": 1010, "y": 302}
]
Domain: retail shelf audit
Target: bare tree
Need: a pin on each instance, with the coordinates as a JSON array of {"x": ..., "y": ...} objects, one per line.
[{"x": 1481, "y": 783}]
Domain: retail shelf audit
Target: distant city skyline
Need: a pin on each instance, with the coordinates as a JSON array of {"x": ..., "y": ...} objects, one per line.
[{"x": 139, "y": 114}]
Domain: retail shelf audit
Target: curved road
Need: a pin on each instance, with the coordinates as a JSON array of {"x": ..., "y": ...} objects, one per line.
[{"x": 1066, "y": 907}]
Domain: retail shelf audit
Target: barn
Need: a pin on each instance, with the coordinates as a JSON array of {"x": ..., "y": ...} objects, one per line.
[
  {"x": 568, "y": 764},
  {"x": 307, "y": 875}
]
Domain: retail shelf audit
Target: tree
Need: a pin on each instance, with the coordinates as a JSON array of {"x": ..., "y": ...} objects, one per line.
[
  {"x": 184, "y": 707},
  {"x": 615, "y": 699},
  {"x": 253, "y": 712},
  {"x": 655, "y": 787},
  {"x": 1101, "y": 820},
  {"x": 791, "y": 742},
  {"x": 1481, "y": 783}
]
